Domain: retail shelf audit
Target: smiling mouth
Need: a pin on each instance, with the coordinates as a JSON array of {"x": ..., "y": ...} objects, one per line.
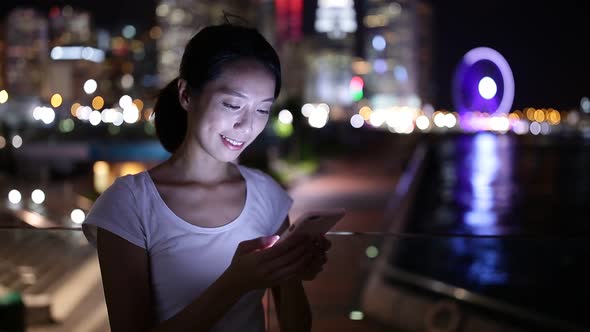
[{"x": 232, "y": 143}]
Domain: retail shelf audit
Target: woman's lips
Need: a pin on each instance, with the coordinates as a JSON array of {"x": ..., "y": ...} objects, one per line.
[{"x": 232, "y": 143}]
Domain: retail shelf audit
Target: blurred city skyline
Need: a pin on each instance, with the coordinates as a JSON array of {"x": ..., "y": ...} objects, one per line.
[
  {"x": 481, "y": 173},
  {"x": 542, "y": 42}
]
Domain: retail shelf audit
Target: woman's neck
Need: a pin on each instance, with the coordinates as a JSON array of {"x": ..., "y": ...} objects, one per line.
[{"x": 190, "y": 163}]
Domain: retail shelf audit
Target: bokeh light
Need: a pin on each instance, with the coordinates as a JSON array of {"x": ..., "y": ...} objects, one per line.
[
  {"x": 281, "y": 129},
  {"x": 66, "y": 125},
  {"x": 365, "y": 112},
  {"x": 585, "y": 104},
  {"x": 47, "y": 115},
  {"x": 380, "y": 66},
  {"x": 439, "y": 120},
  {"x": 487, "y": 87},
  {"x": 74, "y": 109},
  {"x": 319, "y": 116},
  {"x": 379, "y": 43},
  {"x": 155, "y": 32},
  {"x": 38, "y": 196},
  {"x": 3, "y": 96},
  {"x": 127, "y": 81},
  {"x": 90, "y": 86},
  {"x": 285, "y": 116},
  {"x": 535, "y": 128},
  {"x": 163, "y": 10},
  {"x": 56, "y": 100},
  {"x": 78, "y": 216},
  {"x": 422, "y": 122},
  {"x": 357, "y": 121},
  {"x": 138, "y": 103},
  {"x": 125, "y": 101},
  {"x": 307, "y": 109},
  {"x": 450, "y": 120},
  {"x": 356, "y": 88},
  {"x": 17, "y": 141},
  {"x": 128, "y": 31},
  {"x": 97, "y": 102},
  {"x": 14, "y": 196},
  {"x": 377, "y": 119},
  {"x": 372, "y": 252},
  {"x": 130, "y": 114},
  {"x": 94, "y": 118},
  {"x": 356, "y": 315}
]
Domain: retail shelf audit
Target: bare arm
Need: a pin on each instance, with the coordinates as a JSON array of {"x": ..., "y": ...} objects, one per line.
[
  {"x": 125, "y": 277},
  {"x": 294, "y": 313},
  {"x": 125, "y": 273},
  {"x": 292, "y": 306}
]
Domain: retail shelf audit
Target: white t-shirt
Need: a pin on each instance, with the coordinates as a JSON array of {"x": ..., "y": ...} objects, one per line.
[{"x": 185, "y": 259}]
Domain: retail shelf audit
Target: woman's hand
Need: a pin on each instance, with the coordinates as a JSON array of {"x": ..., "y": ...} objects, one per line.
[
  {"x": 320, "y": 245},
  {"x": 258, "y": 263}
]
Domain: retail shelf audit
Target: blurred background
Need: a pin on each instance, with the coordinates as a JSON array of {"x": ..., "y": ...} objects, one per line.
[{"x": 456, "y": 133}]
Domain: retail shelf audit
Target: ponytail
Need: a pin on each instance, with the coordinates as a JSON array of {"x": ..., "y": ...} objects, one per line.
[{"x": 170, "y": 118}]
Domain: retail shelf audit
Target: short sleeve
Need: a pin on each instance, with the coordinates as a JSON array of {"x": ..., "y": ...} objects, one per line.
[{"x": 117, "y": 211}]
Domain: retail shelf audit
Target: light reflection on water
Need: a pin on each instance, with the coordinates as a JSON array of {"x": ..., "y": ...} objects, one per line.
[
  {"x": 500, "y": 185},
  {"x": 486, "y": 168}
]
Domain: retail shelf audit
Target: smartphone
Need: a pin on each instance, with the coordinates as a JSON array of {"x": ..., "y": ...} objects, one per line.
[{"x": 314, "y": 222}]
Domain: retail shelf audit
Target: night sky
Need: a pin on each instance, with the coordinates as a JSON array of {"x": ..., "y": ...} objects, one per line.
[{"x": 543, "y": 41}]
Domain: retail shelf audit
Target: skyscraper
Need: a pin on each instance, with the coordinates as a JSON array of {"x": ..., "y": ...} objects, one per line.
[
  {"x": 397, "y": 47},
  {"x": 424, "y": 48},
  {"x": 70, "y": 27},
  {"x": 26, "y": 51},
  {"x": 330, "y": 53},
  {"x": 74, "y": 57},
  {"x": 181, "y": 19}
]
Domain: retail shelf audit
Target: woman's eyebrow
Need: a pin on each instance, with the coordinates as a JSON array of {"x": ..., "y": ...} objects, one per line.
[{"x": 233, "y": 92}]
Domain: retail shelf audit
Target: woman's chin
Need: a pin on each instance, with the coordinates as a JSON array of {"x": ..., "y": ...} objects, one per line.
[{"x": 228, "y": 156}]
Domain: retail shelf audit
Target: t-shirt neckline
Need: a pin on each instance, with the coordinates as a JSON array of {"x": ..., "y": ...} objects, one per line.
[{"x": 183, "y": 223}]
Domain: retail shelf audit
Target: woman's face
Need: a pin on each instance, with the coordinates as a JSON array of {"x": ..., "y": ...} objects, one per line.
[{"x": 233, "y": 109}]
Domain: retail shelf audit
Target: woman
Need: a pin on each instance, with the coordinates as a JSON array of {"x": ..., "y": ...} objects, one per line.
[{"x": 189, "y": 244}]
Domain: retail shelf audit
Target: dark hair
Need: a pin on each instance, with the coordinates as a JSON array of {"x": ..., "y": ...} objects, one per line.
[{"x": 204, "y": 58}]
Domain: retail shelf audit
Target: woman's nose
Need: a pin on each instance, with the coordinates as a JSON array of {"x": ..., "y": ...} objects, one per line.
[{"x": 244, "y": 122}]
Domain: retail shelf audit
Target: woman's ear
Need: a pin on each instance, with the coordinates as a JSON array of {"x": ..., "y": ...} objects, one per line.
[{"x": 184, "y": 97}]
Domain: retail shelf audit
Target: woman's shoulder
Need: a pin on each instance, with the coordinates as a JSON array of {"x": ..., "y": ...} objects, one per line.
[
  {"x": 120, "y": 209},
  {"x": 133, "y": 180},
  {"x": 128, "y": 186}
]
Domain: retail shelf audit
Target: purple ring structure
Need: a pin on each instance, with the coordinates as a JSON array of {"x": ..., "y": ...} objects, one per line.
[{"x": 472, "y": 69}]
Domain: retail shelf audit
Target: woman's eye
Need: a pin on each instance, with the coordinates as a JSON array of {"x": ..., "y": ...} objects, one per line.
[
  {"x": 230, "y": 106},
  {"x": 263, "y": 111}
]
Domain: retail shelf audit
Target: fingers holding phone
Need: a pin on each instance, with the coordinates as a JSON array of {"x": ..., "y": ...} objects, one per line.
[
  {"x": 261, "y": 263},
  {"x": 314, "y": 223},
  {"x": 320, "y": 247},
  {"x": 311, "y": 258},
  {"x": 301, "y": 251}
]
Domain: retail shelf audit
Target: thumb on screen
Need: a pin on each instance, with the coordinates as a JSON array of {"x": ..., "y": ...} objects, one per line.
[{"x": 259, "y": 243}]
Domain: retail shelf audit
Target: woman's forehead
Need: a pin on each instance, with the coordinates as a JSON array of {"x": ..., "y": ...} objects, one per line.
[
  {"x": 245, "y": 67},
  {"x": 244, "y": 82},
  {"x": 238, "y": 92}
]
